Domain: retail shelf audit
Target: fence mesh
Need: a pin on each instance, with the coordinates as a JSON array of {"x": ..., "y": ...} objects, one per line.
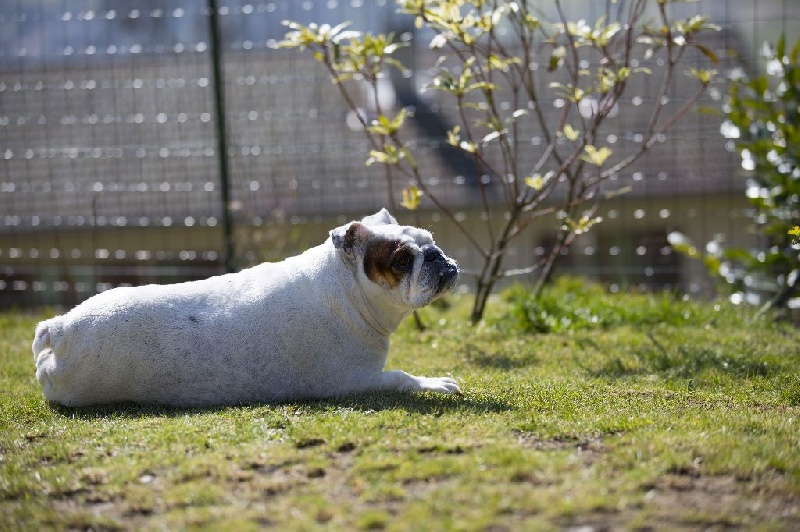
[{"x": 109, "y": 160}]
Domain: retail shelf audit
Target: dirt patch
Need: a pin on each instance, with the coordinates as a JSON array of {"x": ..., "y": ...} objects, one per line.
[
  {"x": 590, "y": 445},
  {"x": 688, "y": 498},
  {"x": 690, "y": 501},
  {"x": 681, "y": 498}
]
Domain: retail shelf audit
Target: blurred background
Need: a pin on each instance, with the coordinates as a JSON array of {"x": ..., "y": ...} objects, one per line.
[{"x": 115, "y": 168}]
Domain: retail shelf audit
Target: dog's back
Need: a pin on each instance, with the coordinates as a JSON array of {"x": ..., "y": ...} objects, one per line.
[{"x": 225, "y": 340}]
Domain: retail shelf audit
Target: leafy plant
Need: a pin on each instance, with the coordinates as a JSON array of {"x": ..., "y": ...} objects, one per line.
[
  {"x": 486, "y": 51},
  {"x": 570, "y": 304},
  {"x": 764, "y": 120},
  {"x": 794, "y": 232}
]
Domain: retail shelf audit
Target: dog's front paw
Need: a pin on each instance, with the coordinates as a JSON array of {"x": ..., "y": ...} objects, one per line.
[
  {"x": 437, "y": 384},
  {"x": 400, "y": 381}
]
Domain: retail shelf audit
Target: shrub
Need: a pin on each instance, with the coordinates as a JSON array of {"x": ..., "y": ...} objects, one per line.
[{"x": 764, "y": 121}]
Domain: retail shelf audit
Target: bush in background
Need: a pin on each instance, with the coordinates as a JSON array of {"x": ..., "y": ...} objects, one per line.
[{"x": 763, "y": 120}]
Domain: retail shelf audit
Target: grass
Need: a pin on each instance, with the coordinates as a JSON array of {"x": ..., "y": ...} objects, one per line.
[{"x": 632, "y": 411}]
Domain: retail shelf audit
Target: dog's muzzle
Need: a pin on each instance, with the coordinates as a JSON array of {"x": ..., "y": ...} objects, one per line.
[{"x": 446, "y": 269}]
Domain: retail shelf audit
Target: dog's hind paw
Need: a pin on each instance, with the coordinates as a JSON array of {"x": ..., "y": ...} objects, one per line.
[{"x": 41, "y": 339}]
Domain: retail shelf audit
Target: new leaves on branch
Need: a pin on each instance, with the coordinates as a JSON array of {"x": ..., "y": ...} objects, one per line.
[
  {"x": 411, "y": 197},
  {"x": 386, "y": 126},
  {"x": 595, "y": 156},
  {"x": 486, "y": 74}
]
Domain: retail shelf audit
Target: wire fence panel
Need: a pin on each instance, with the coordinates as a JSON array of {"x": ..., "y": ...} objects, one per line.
[{"x": 110, "y": 154}]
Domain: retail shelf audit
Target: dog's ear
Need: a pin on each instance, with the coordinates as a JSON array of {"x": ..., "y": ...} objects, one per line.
[
  {"x": 382, "y": 217},
  {"x": 348, "y": 238}
]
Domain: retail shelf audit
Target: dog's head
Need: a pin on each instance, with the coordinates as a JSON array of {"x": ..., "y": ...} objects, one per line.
[{"x": 401, "y": 261}]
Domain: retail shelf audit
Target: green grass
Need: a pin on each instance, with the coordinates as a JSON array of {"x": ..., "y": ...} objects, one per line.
[{"x": 632, "y": 411}]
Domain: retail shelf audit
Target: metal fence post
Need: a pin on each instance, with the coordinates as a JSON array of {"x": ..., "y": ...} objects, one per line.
[{"x": 222, "y": 137}]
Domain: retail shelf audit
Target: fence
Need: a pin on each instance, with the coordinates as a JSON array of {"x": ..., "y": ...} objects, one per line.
[{"x": 165, "y": 140}]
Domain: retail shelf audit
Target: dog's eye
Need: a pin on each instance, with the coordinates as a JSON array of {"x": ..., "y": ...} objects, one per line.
[{"x": 403, "y": 261}]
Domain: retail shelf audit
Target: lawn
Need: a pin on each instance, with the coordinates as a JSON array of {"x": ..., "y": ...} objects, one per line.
[{"x": 580, "y": 410}]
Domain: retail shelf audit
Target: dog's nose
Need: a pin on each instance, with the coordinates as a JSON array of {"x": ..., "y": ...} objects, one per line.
[{"x": 432, "y": 253}]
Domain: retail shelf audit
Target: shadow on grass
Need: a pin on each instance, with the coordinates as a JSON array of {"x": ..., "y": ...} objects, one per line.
[
  {"x": 498, "y": 360},
  {"x": 424, "y": 403}
]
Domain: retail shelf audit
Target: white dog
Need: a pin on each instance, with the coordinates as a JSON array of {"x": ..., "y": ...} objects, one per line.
[{"x": 314, "y": 325}]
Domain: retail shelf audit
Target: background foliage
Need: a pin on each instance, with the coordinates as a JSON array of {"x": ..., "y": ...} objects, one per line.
[{"x": 764, "y": 122}]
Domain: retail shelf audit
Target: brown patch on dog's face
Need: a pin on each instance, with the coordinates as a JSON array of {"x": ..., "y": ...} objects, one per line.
[{"x": 387, "y": 262}]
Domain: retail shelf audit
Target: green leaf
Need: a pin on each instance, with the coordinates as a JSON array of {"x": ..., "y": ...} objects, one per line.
[
  {"x": 692, "y": 25},
  {"x": 705, "y": 75},
  {"x": 712, "y": 263},
  {"x": 390, "y": 155},
  {"x": 498, "y": 63},
  {"x": 618, "y": 192},
  {"x": 557, "y": 58},
  {"x": 376, "y": 156},
  {"x": 411, "y": 197},
  {"x": 794, "y": 232},
  {"x": 453, "y": 137},
  {"x": 581, "y": 226},
  {"x": 570, "y": 133},
  {"x": 760, "y": 85},
  {"x": 469, "y": 147},
  {"x": 707, "y": 52},
  {"x": 568, "y": 91},
  {"x": 595, "y": 156},
  {"x": 780, "y": 47},
  {"x": 486, "y": 86},
  {"x": 400, "y": 118},
  {"x": 535, "y": 182},
  {"x": 384, "y": 126},
  {"x": 538, "y": 181},
  {"x": 682, "y": 244}
]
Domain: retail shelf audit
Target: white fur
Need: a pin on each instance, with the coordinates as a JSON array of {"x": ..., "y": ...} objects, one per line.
[{"x": 310, "y": 326}]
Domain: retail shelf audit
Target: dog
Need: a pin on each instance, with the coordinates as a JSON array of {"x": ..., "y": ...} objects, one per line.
[{"x": 315, "y": 325}]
